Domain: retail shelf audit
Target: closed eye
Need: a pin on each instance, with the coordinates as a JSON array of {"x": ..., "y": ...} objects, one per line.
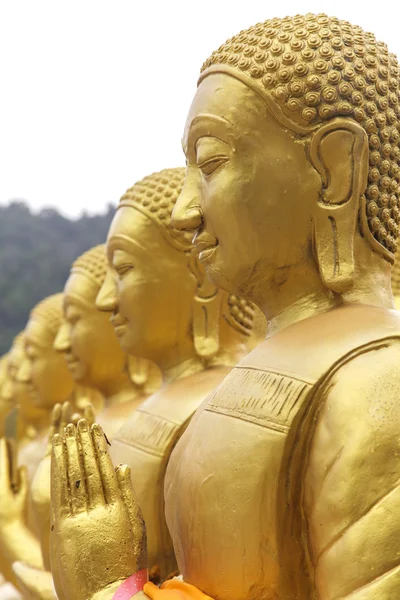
[
  {"x": 123, "y": 269},
  {"x": 208, "y": 167}
]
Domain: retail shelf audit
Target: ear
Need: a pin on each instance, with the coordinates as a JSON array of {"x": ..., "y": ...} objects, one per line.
[
  {"x": 138, "y": 370},
  {"x": 206, "y": 312},
  {"x": 339, "y": 152}
]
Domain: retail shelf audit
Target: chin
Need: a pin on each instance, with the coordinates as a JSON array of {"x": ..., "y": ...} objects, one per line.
[{"x": 220, "y": 277}]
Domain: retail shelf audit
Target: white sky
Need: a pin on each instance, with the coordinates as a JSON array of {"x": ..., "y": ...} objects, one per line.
[{"x": 94, "y": 93}]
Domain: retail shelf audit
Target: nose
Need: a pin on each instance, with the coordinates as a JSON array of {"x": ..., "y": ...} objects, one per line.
[
  {"x": 107, "y": 297},
  {"x": 24, "y": 373},
  {"x": 187, "y": 214},
  {"x": 62, "y": 343}
]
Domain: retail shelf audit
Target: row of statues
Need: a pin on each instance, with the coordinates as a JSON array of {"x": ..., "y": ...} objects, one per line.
[{"x": 210, "y": 408}]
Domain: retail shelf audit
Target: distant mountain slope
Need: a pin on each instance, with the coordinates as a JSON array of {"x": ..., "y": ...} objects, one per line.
[{"x": 36, "y": 252}]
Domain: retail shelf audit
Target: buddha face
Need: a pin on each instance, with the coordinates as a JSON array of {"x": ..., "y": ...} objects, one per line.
[
  {"x": 149, "y": 287},
  {"x": 248, "y": 191},
  {"x": 87, "y": 338},
  {"x": 14, "y": 391},
  {"x": 45, "y": 370}
]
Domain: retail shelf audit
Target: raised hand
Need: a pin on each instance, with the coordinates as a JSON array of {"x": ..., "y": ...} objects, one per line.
[
  {"x": 99, "y": 533},
  {"x": 35, "y": 584},
  {"x": 12, "y": 496},
  {"x": 61, "y": 416}
]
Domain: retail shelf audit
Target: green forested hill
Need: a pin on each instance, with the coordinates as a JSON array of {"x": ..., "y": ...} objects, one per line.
[{"x": 36, "y": 252}]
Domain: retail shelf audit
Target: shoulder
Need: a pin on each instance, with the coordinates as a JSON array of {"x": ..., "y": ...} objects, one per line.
[
  {"x": 366, "y": 389},
  {"x": 354, "y": 451}
]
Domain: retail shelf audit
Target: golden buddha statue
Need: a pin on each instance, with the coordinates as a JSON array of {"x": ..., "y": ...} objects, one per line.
[
  {"x": 90, "y": 346},
  {"x": 38, "y": 378},
  {"x": 165, "y": 310},
  {"x": 31, "y": 420},
  {"x": 285, "y": 484}
]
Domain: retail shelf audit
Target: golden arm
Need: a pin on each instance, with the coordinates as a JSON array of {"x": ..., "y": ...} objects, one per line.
[{"x": 352, "y": 483}]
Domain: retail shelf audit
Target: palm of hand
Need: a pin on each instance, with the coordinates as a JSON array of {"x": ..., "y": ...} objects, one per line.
[
  {"x": 98, "y": 533},
  {"x": 102, "y": 540}
]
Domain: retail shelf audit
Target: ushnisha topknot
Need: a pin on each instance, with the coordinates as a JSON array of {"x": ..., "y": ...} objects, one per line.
[
  {"x": 313, "y": 68},
  {"x": 92, "y": 263},
  {"x": 49, "y": 311},
  {"x": 155, "y": 196}
]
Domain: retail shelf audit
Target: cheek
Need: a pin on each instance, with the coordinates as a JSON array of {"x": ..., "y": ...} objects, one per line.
[{"x": 80, "y": 339}]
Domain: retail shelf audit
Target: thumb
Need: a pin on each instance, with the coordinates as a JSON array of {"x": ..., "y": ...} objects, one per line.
[
  {"x": 22, "y": 483},
  {"x": 123, "y": 474}
]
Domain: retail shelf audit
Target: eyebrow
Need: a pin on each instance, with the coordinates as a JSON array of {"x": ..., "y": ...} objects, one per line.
[{"x": 205, "y": 125}]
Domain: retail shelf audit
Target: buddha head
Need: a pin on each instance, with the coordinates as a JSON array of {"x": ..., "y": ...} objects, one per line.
[
  {"x": 164, "y": 307},
  {"x": 293, "y": 161},
  {"x": 44, "y": 369},
  {"x": 86, "y": 336},
  {"x": 13, "y": 391}
]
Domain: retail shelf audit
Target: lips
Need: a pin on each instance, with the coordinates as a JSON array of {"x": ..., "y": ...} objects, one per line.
[
  {"x": 119, "y": 324},
  {"x": 71, "y": 361},
  {"x": 205, "y": 245}
]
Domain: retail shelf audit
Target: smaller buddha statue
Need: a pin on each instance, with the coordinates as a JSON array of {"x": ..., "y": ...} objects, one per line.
[
  {"x": 163, "y": 308},
  {"x": 32, "y": 420},
  {"x": 38, "y": 379},
  {"x": 90, "y": 347}
]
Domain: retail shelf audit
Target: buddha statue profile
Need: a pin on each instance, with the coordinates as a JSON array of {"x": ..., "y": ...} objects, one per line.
[
  {"x": 285, "y": 483},
  {"x": 38, "y": 379},
  {"x": 31, "y": 420},
  {"x": 165, "y": 310},
  {"x": 90, "y": 347}
]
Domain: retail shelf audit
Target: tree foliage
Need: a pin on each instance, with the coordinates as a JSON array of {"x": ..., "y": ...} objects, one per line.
[{"x": 36, "y": 252}]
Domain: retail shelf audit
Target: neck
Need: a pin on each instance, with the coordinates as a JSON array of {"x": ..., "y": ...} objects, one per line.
[
  {"x": 179, "y": 361},
  {"x": 291, "y": 303},
  {"x": 118, "y": 390}
]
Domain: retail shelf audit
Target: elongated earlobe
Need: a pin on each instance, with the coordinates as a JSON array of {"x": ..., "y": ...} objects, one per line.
[
  {"x": 339, "y": 152},
  {"x": 206, "y": 314}
]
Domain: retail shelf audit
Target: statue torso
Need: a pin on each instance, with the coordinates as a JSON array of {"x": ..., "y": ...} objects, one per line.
[
  {"x": 145, "y": 443},
  {"x": 229, "y": 481}
]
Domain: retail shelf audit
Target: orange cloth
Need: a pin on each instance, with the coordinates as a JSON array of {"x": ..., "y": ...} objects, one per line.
[{"x": 174, "y": 589}]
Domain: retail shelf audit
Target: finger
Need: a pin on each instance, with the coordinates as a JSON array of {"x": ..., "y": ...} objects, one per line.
[
  {"x": 94, "y": 486},
  {"x": 54, "y": 425},
  {"x": 106, "y": 468},
  {"x": 89, "y": 414},
  {"x": 75, "y": 474},
  {"x": 75, "y": 418},
  {"x": 136, "y": 519},
  {"x": 66, "y": 415},
  {"x": 22, "y": 482},
  {"x": 4, "y": 463},
  {"x": 60, "y": 498}
]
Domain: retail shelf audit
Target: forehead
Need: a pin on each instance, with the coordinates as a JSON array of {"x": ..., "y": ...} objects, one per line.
[
  {"x": 37, "y": 334},
  {"x": 222, "y": 96},
  {"x": 15, "y": 356},
  {"x": 134, "y": 232},
  {"x": 80, "y": 289}
]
